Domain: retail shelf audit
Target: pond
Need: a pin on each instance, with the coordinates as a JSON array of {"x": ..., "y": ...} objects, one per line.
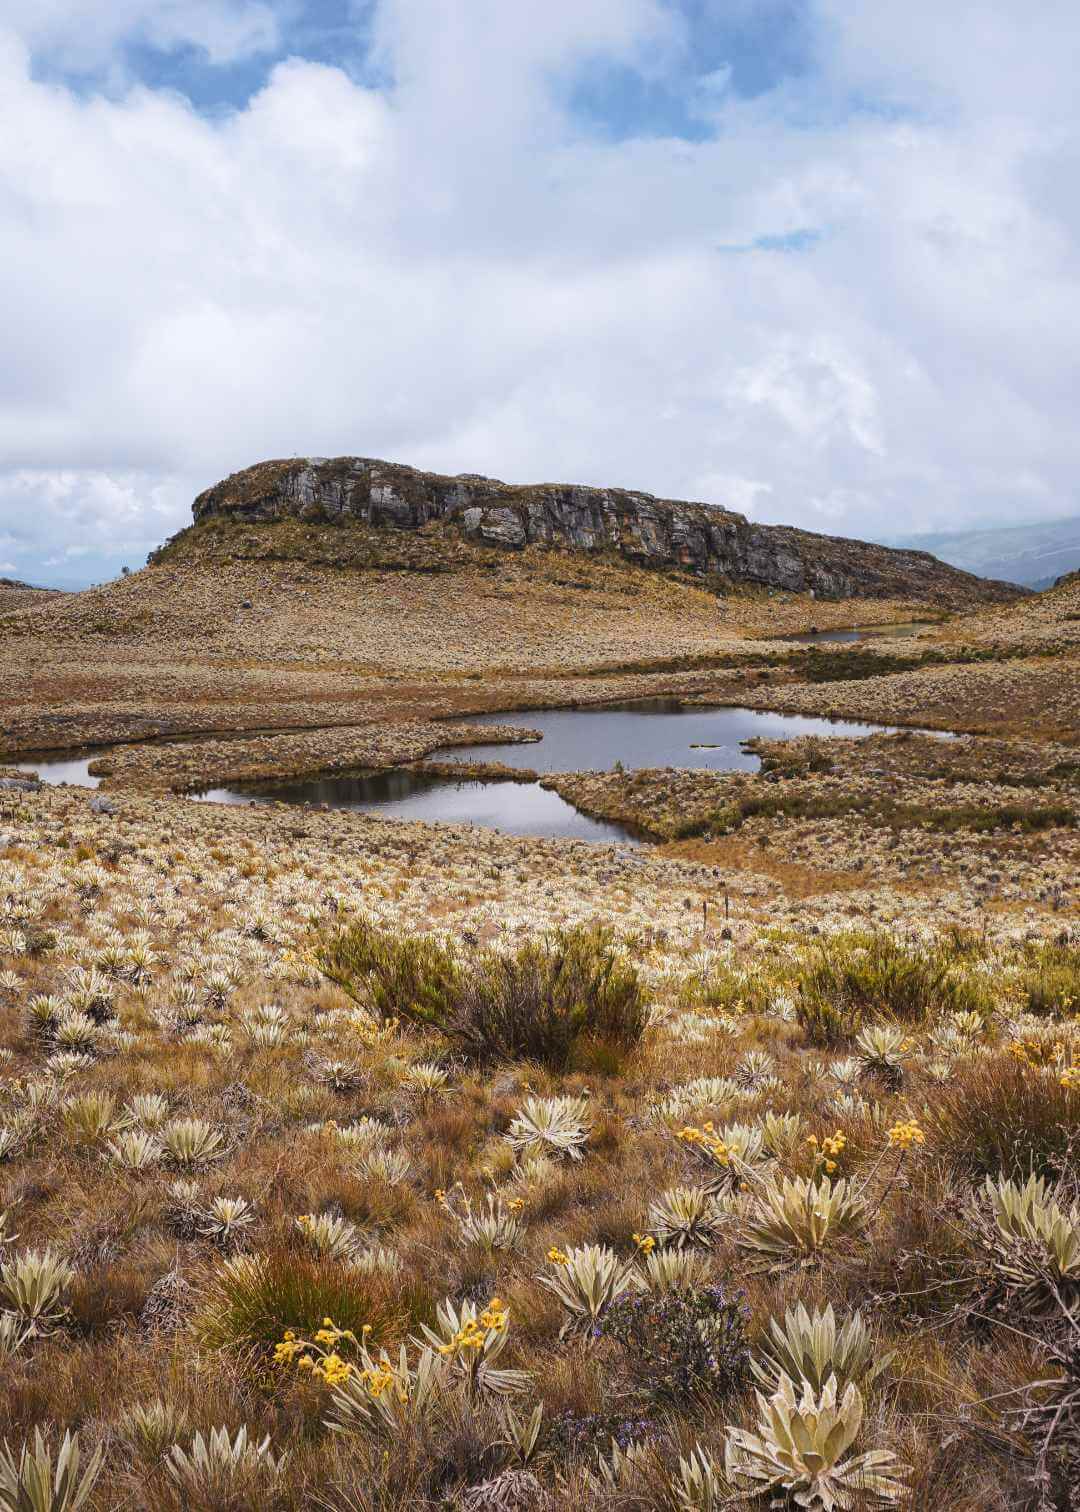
[
  {"x": 516, "y": 808},
  {"x": 859, "y": 632},
  {"x": 655, "y": 732},
  {"x": 54, "y": 768},
  {"x": 644, "y": 733},
  {"x": 648, "y": 732}
]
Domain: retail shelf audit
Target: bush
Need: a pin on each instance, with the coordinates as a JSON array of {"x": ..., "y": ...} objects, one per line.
[
  {"x": 1001, "y": 1118},
  {"x": 1051, "y": 979},
  {"x": 536, "y": 1004},
  {"x": 870, "y": 974},
  {"x": 396, "y": 976},
  {"x": 825, "y": 1023},
  {"x": 683, "y": 1343}
]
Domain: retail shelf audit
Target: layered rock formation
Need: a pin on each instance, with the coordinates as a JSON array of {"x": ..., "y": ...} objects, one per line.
[{"x": 703, "y": 539}]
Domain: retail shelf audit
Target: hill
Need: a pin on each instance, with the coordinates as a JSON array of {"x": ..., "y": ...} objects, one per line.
[
  {"x": 17, "y": 595},
  {"x": 705, "y": 541},
  {"x": 1033, "y": 555},
  {"x": 1043, "y": 621},
  {"x": 265, "y": 614}
]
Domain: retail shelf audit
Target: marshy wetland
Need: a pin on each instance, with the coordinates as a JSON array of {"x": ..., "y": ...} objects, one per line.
[
  {"x": 658, "y": 732},
  {"x": 577, "y": 1145}
]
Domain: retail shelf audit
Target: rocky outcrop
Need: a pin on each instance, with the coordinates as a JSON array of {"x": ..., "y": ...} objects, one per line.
[{"x": 703, "y": 539}]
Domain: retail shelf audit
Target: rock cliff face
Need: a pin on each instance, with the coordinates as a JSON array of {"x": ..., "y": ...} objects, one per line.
[{"x": 700, "y": 538}]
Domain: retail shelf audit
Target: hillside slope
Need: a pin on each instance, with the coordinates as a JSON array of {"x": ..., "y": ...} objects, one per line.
[
  {"x": 709, "y": 542},
  {"x": 16, "y": 595},
  {"x": 406, "y": 603},
  {"x": 1034, "y": 555},
  {"x": 1047, "y": 619}
]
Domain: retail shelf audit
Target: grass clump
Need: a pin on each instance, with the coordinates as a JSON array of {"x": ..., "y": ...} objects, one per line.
[
  {"x": 254, "y": 1299},
  {"x": 1050, "y": 979},
  {"x": 1001, "y": 1117},
  {"x": 974, "y": 818},
  {"x": 538, "y": 1003}
]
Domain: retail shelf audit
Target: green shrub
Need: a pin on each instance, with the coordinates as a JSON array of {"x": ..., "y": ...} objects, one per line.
[
  {"x": 539, "y": 1003},
  {"x": 827, "y": 1023},
  {"x": 396, "y": 976},
  {"x": 1051, "y": 979},
  {"x": 872, "y": 975}
]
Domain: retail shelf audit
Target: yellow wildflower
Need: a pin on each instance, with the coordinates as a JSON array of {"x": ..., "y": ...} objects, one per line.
[{"x": 905, "y": 1134}]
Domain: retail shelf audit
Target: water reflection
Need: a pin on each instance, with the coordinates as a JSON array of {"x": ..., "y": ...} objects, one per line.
[
  {"x": 72, "y": 769},
  {"x": 651, "y": 732},
  {"x": 517, "y": 808},
  {"x": 658, "y": 732}
]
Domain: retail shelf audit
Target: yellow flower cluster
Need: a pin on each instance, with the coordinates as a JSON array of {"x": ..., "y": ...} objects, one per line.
[
  {"x": 645, "y": 1243},
  {"x": 706, "y": 1139},
  {"x": 558, "y": 1256},
  {"x": 829, "y": 1149},
  {"x": 289, "y": 1348},
  {"x": 319, "y": 1354},
  {"x": 1070, "y": 1078},
  {"x": 905, "y": 1134},
  {"x": 332, "y": 1368},
  {"x": 474, "y": 1332},
  {"x": 383, "y": 1378},
  {"x": 516, "y": 1204},
  {"x": 1032, "y": 1052}
]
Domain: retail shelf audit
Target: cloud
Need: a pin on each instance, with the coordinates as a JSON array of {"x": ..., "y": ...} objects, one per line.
[
  {"x": 84, "y": 35},
  {"x": 854, "y": 303}
]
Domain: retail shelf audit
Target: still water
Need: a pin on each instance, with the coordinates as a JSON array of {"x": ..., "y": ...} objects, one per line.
[
  {"x": 645, "y": 733},
  {"x": 516, "y": 808},
  {"x": 654, "y": 732},
  {"x": 57, "y": 769},
  {"x": 860, "y": 632}
]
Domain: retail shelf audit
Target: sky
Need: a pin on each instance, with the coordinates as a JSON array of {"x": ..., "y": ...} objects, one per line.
[{"x": 814, "y": 260}]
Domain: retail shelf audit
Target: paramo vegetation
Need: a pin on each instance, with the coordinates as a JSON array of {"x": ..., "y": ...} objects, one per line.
[{"x": 330, "y": 1178}]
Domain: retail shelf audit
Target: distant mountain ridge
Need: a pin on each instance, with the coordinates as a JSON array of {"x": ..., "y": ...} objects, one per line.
[
  {"x": 1032, "y": 555},
  {"x": 705, "y": 540}
]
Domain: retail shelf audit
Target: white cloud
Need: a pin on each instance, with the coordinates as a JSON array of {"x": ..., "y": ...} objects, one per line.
[
  {"x": 449, "y": 271},
  {"x": 82, "y": 35}
]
